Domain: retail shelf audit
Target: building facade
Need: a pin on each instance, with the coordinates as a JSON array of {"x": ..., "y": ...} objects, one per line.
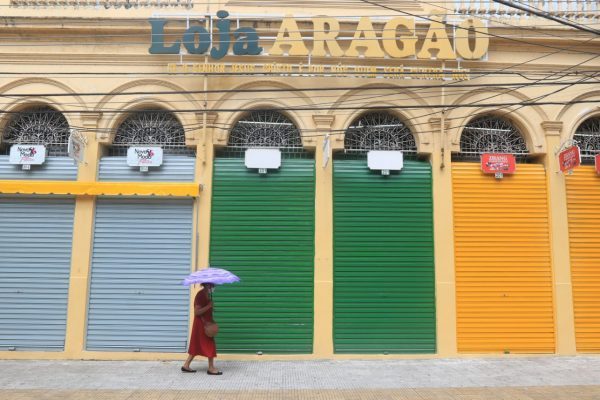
[{"x": 336, "y": 259}]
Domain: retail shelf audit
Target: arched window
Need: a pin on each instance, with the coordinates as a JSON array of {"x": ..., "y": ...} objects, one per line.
[
  {"x": 587, "y": 138},
  {"x": 491, "y": 134},
  {"x": 265, "y": 129},
  {"x": 151, "y": 127},
  {"x": 379, "y": 131},
  {"x": 38, "y": 125}
]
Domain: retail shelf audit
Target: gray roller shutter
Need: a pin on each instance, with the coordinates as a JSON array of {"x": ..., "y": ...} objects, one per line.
[
  {"x": 35, "y": 259},
  {"x": 54, "y": 169},
  {"x": 141, "y": 253},
  {"x": 174, "y": 169}
]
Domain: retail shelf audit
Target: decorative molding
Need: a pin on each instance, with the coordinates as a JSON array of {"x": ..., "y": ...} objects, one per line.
[
  {"x": 552, "y": 128},
  {"x": 323, "y": 121},
  {"x": 98, "y": 4},
  {"x": 436, "y": 123}
]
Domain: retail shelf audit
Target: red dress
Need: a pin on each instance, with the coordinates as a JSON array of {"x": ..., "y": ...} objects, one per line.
[{"x": 200, "y": 344}]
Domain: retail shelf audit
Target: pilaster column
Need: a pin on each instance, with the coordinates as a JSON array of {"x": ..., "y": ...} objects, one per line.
[
  {"x": 81, "y": 253},
  {"x": 323, "y": 303},
  {"x": 443, "y": 221},
  {"x": 204, "y": 174},
  {"x": 559, "y": 236}
]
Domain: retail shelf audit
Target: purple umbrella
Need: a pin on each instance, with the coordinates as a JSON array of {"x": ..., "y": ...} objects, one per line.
[{"x": 216, "y": 276}]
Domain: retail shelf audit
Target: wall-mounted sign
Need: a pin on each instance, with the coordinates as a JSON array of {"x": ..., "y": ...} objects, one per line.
[
  {"x": 262, "y": 159},
  {"x": 495, "y": 163},
  {"x": 27, "y": 154},
  {"x": 144, "y": 157},
  {"x": 393, "y": 38},
  {"x": 385, "y": 161},
  {"x": 76, "y": 148},
  {"x": 569, "y": 159},
  {"x": 597, "y": 162}
]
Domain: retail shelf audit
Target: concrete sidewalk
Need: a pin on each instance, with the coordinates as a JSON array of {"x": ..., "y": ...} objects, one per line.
[{"x": 452, "y": 379}]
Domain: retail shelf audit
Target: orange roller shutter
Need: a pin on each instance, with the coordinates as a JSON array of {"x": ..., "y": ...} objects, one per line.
[
  {"x": 503, "y": 261},
  {"x": 583, "y": 202}
]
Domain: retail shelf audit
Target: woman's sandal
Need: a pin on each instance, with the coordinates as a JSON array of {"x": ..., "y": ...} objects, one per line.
[
  {"x": 214, "y": 373},
  {"x": 184, "y": 369}
]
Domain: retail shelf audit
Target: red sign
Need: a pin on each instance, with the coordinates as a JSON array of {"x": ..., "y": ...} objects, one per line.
[
  {"x": 492, "y": 163},
  {"x": 597, "y": 158},
  {"x": 569, "y": 159}
]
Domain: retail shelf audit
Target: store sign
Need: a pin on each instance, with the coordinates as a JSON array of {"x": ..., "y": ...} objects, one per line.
[
  {"x": 597, "y": 161},
  {"x": 27, "y": 154},
  {"x": 396, "y": 39},
  {"x": 493, "y": 163},
  {"x": 144, "y": 156},
  {"x": 385, "y": 161},
  {"x": 569, "y": 159}
]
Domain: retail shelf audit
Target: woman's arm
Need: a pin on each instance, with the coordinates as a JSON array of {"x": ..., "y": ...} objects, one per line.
[{"x": 199, "y": 311}]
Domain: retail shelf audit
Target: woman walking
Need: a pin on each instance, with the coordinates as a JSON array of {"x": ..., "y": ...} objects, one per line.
[{"x": 200, "y": 344}]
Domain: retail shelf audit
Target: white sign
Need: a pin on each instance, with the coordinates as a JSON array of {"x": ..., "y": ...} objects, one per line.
[
  {"x": 27, "y": 154},
  {"x": 326, "y": 150},
  {"x": 263, "y": 158},
  {"x": 385, "y": 160},
  {"x": 144, "y": 156},
  {"x": 76, "y": 148}
]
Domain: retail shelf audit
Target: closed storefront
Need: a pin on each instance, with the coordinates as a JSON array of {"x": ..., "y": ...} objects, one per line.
[
  {"x": 504, "y": 296},
  {"x": 142, "y": 247},
  {"x": 141, "y": 251},
  {"x": 384, "y": 298},
  {"x": 262, "y": 229},
  {"x": 35, "y": 247},
  {"x": 35, "y": 233},
  {"x": 583, "y": 203}
]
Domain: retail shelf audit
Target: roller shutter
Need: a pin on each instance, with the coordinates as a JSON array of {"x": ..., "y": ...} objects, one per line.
[
  {"x": 175, "y": 168},
  {"x": 503, "y": 261},
  {"x": 583, "y": 202},
  {"x": 35, "y": 260},
  {"x": 384, "y": 285},
  {"x": 262, "y": 229},
  {"x": 141, "y": 253}
]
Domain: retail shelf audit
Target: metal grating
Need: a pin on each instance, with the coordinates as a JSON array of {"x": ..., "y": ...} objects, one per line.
[
  {"x": 490, "y": 134},
  {"x": 265, "y": 129},
  {"x": 379, "y": 131},
  {"x": 587, "y": 137},
  {"x": 151, "y": 127},
  {"x": 38, "y": 125}
]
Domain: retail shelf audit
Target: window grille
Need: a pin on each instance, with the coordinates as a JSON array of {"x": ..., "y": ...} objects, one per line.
[
  {"x": 38, "y": 125},
  {"x": 151, "y": 128},
  {"x": 587, "y": 137},
  {"x": 491, "y": 134},
  {"x": 379, "y": 131},
  {"x": 265, "y": 129}
]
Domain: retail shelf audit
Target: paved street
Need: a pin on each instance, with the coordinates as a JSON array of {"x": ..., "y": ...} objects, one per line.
[{"x": 443, "y": 379}]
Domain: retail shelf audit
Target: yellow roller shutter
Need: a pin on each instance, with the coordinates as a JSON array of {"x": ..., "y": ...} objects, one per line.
[
  {"x": 503, "y": 262},
  {"x": 583, "y": 202}
]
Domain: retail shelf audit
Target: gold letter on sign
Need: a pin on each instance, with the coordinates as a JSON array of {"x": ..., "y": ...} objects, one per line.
[
  {"x": 437, "y": 39},
  {"x": 322, "y": 37},
  {"x": 293, "y": 39},
  {"x": 389, "y": 39},
  {"x": 370, "y": 43},
  {"x": 461, "y": 39}
]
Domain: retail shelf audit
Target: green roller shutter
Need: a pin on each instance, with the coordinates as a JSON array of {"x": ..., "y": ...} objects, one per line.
[
  {"x": 262, "y": 229},
  {"x": 384, "y": 299}
]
